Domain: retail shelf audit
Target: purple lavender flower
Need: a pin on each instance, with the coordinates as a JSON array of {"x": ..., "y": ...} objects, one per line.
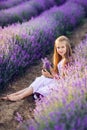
[
  {"x": 46, "y": 64},
  {"x": 19, "y": 118}
]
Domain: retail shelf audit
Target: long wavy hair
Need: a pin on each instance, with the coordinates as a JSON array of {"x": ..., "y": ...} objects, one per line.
[{"x": 56, "y": 57}]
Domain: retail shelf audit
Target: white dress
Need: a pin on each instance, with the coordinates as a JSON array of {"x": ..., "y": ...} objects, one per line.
[{"x": 42, "y": 84}]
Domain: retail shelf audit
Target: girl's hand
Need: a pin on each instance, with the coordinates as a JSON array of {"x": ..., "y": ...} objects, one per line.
[
  {"x": 56, "y": 76},
  {"x": 46, "y": 73}
]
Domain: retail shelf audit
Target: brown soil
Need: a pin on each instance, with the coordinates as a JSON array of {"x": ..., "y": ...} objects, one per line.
[{"x": 25, "y": 107}]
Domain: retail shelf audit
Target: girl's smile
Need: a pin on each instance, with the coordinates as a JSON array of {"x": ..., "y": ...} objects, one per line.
[{"x": 61, "y": 48}]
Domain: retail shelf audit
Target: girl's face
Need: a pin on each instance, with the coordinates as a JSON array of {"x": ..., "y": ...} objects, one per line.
[{"x": 61, "y": 48}]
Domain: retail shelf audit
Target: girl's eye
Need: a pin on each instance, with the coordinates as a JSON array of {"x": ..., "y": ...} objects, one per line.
[
  {"x": 58, "y": 48},
  {"x": 62, "y": 46}
]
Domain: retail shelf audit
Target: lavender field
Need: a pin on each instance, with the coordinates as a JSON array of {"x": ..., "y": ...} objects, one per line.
[
  {"x": 66, "y": 107},
  {"x": 34, "y": 25},
  {"x": 18, "y": 40}
]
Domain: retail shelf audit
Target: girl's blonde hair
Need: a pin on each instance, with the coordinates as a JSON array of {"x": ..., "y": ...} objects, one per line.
[{"x": 56, "y": 57}]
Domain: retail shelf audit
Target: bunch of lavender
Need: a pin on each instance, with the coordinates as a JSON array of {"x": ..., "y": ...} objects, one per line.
[{"x": 46, "y": 64}]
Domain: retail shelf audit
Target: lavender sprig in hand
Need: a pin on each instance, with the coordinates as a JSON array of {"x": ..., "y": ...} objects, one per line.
[{"x": 46, "y": 64}]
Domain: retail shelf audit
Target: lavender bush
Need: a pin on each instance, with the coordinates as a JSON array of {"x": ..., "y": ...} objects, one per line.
[
  {"x": 18, "y": 41},
  {"x": 72, "y": 19},
  {"x": 4, "y": 4},
  {"x": 66, "y": 107},
  {"x": 25, "y": 11},
  {"x": 81, "y": 2}
]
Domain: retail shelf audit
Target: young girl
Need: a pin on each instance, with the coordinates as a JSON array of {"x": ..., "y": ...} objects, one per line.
[{"x": 61, "y": 57}]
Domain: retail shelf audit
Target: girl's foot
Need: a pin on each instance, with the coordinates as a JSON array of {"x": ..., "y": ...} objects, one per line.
[
  {"x": 4, "y": 98},
  {"x": 11, "y": 98},
  {"x": 14, "y": 98}
]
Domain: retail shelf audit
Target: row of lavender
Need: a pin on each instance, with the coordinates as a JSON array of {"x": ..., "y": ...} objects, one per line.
[
  {"x": 23, "y": 44},
  {"x": 4, "y": 4},
  {"x": 25, "y": 11},
  {"x": 9, "y": 3},
  {"x": 81, "y": 2},
  {"x": 66, "y": 107}
]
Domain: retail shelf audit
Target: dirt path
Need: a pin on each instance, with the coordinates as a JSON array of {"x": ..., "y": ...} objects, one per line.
[{"x": 25, "y": 107}]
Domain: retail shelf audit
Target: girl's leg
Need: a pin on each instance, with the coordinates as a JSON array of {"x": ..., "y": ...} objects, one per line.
[
  {"x": 18, "y": 92},
  {"x": 23, "y": 94},
  {"x": 38, "y": 82}
]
